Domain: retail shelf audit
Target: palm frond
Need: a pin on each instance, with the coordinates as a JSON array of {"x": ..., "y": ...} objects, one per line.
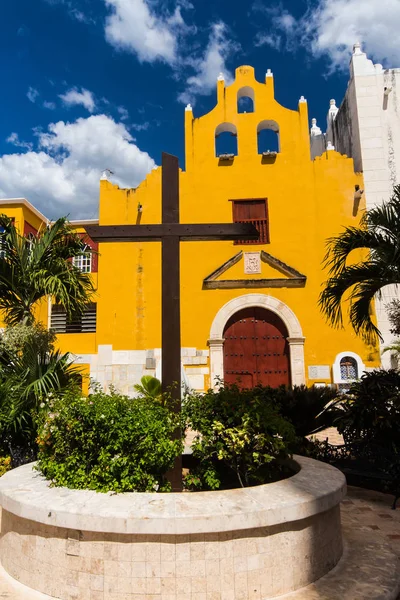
[{"x": 379, "y": 234}]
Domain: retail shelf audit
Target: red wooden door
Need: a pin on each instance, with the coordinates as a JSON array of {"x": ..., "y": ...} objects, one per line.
[{"x": 256, "y": 350}]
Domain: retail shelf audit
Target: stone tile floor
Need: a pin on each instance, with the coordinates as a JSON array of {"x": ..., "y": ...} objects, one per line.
[{"x": 362, "y": 510}]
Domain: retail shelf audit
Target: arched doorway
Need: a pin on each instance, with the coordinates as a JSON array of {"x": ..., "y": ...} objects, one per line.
[{"x": 256, "y": 349}]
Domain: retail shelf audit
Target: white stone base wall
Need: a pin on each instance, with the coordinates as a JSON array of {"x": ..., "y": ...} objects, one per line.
[
  {"x": 250, "y": 564},
  {"x": 125, "y": 368}
]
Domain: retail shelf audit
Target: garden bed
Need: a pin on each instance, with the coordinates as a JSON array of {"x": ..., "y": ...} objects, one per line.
[{"x": 274, "y": 538}]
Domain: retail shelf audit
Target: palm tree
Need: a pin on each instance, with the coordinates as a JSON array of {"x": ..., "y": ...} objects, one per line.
[
  {"x": 379, "y": 234},
  {"x": 31, "y": 269}
]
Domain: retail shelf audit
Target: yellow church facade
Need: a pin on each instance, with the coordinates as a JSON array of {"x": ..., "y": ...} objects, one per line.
[{"x": 249, "y": 311}]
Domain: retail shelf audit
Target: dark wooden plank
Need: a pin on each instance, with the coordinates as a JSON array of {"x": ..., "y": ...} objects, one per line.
[
  {"x": 231, "y": 284},
  {"x": 185, "y": 232},
  {"x": 170, "y": 189},
  {"x": 171, "y": 314}
]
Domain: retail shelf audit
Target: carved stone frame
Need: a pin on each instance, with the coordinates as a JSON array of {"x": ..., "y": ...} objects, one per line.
[{"x": 295, "y": 337}]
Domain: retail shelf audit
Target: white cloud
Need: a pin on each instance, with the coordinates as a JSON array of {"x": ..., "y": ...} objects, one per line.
[
  {"x": 62, "y": 176},
  {"x": 134, "y": 26},
  {"x": 123, "y": 112},
  {"x": 337, "y": 24},
  {"x": 210, "y": 65},
  {"x": 75, "y": 98},
  {"x": 331, "y": 27},
  {"x": 13, "y": 139},
  {"x": 268, "y": 39},
  {"x": 49, "y": 105},
  {"x": 141, "y": 126},
  {"x": 32, "y": 94}
]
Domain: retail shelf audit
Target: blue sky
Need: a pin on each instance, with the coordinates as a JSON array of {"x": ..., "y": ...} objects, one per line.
[{"x": 95, "y": 84}]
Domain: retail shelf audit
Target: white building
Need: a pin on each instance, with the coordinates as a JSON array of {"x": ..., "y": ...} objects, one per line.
[{"x": 366, "y": 127}]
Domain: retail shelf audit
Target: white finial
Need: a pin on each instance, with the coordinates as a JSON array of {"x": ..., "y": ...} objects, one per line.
[
  {"x": 269, "y": 73},
  {"x": 302, "y": 99},
  {"x": 188, "y": 108},
  {"x": 333, "y": 110},
  {"x": 357, "y": 48},
  {"x": 315, "y": 130},
  {"x": 330, "y": 146},
  {"x": 221, "y": 77},
  {"x": 105, "y": 176}
]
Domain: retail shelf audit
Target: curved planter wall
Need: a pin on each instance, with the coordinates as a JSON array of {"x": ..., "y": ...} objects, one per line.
[{"x": 252, "y": 543}]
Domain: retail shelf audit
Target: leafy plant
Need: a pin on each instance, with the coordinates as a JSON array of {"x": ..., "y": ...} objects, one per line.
[
  {"x": 371, "y": 409},
  {"x": 31, "y": 370},
  {"x": 31, "y": 269},
  {"x": 309, "y": 409},
  {"x": 149, "y": 387},
  {"x": 241, "y": 439},
  {"x": 5, "y": 464},
  {"x": 379, "y": 234},
  {"x": 108, "y": 443}
]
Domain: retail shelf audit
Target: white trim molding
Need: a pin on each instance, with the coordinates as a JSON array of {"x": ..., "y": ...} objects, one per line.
[
  {"x": 337, "y": 376},
  {"x": 295, "y": 334}
]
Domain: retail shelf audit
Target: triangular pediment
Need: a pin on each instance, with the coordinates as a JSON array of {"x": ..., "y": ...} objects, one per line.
[{"x": 254, "y": 269}]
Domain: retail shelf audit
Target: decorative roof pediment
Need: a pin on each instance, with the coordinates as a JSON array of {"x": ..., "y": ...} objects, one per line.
[{"x": 253, "y": 265}]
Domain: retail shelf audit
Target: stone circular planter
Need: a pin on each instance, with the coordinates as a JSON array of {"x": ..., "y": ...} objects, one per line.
[{"x": 252, "y": 543}]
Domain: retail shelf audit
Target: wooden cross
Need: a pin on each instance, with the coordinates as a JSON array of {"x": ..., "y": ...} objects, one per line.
[{"x": 170, "y": 233}]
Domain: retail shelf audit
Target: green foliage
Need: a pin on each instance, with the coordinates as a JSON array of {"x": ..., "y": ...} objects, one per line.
[
  {"x": 310, "y": 410},
  {"x": 379, "y": 234},
  {"x": 393, "y": 312},
  {"x": 31, "y": 269},
  {"x": 108, "y": 443},
  {"x": 149, "y": 387},
  {"x": 371, "y": 409},
  {"x": 242, "y": 438},
  {"x": 30, "y": 371},
  {"x": 5, "y": 464}
]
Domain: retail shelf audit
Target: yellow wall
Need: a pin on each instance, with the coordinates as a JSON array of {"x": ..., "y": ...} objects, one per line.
[{"x": 308, "y": 201}]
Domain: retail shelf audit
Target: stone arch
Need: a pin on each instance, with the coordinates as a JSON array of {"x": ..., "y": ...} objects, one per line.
[
  {"x": 295, "y": 333},
  {"x": 268, "y": 136},
  {"x": 248, "y": 93},
  {"x": 226, "y": 139}
]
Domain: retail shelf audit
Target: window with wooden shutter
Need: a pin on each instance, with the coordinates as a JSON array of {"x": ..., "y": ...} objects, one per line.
[
  {"x": 253, "y": 211},
  {"x": 84, "y": 323}
]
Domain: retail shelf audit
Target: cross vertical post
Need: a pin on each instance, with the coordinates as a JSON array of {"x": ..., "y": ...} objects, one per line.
[{"x": 170, "y": 302}]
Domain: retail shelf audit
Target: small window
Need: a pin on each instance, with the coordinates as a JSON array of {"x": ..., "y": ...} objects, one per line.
[
  {"x": 253, "y": 211},
  {"x": 348, "y": 368},
  {"x": 245, "y": 100},
  {"x": 268, "y": 138},
  {"x": 83, "y": 261},
  {"x": 226, "y": 145},
  {"x": 84, "y": 323}
]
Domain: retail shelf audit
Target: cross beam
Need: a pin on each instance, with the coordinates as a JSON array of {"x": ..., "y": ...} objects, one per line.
[{"x": 171, "y": 232}]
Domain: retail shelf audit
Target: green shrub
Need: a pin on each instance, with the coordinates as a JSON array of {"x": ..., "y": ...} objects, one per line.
[
  {"x": 5, "y": 464},
  {"x": 309, "y": 409},
  {"x": 371, "y": 409},
  {"x": 242, "y": 438},
  {"x": 108, "y": 443}
]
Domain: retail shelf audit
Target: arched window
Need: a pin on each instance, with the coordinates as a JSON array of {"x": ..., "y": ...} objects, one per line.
[
  {"x": 226, "y": 141},
  {"x": 83, "y": 261},
  {"x": 245, "y": 100},
  {"x": 268, "y": 137},
  {"x": 348, "y": 368}
]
